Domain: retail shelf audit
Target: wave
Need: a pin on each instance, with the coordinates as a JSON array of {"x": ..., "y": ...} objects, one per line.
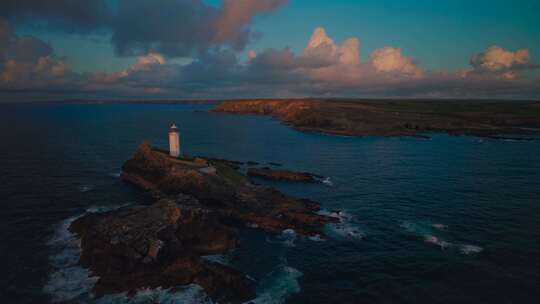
[
  {"x": 98, "y": 209},
  {"x": 470, "y": 249},
  {"x": 217, "y": 258},
  {"x": 71, "y": 283},
  {"x": 278, "y": 286},
  {"x": 339, "y": 214},
  {"x": 437, "y": 241},
  {"x": 441, "y": 227},
  {"x": 287, "y": 238},
  {"x": 182, "y": 295},
  {"x": 115, "y": 174},
  {"x": 425, "y": 231},
  {"x": 345, "y": 228},
  {"x": 328, "y": 182},
  {"x": 316, "y": 238},
  {"x": 68, "y": 281},
  {"x": 86, "y": 188}
]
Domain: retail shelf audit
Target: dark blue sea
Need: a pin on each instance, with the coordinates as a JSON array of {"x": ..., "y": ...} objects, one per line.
[{"x": 444, "y": 220}]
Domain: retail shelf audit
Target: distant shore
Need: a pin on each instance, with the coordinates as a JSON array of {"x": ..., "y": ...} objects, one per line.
[{"x": 397, "y": 118}]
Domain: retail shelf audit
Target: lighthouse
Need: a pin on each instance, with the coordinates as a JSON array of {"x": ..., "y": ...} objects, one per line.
[{"x": 174, "y": 141}]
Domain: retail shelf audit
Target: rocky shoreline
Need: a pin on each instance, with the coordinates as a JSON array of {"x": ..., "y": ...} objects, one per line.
[
  {"x": 396, "y": 118},
  {"x": 201, "y": 204}
]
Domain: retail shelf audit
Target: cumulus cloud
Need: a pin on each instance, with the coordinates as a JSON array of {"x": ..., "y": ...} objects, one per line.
[
  {"x": 498, "y": 59},
  {"x": 323, "y": 49},
  {"x": 392, "y": 60},
  {"x": 497, "y": 62}
]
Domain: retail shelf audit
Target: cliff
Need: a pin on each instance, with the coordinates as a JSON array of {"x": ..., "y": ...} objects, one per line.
[{"x": 395, "y": 118}]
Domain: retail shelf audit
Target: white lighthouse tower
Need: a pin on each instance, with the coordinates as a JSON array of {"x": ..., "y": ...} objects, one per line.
[{"x": 174, "y": 141}]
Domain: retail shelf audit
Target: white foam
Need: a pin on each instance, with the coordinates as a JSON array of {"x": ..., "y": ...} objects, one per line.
[
  {"x": 278, "y": 286},
  {"x": 115, "y": 174},
  {"x": 341, "y": 215},
  {"x": 429, "y": 237},
  {"x": 440, "y": 226},
  {"x": 68, "y": 281},
  {"x": 98, "y": 209},
  {"x": 328, "y": 182},
  {"x": 288, "y": 237},
  {"x": 252, "y": 225},
  {"x": 316, "y": 238},
  {"x": 345, "y": 230},
  {"x": 191, "y": 294},
  {"x": 413, "y": 228},
  {"x": 217, "y": 258},
  {"x": 470, "y": 249},
  {"x": 437, "y": 241},
  {"x": 86, "y": 188}
]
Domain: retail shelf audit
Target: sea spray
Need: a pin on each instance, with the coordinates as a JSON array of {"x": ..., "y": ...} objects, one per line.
[
  {"x": 287, "y": 238},
  {"x": 86, "y": 188},
  {"x": 68, "y": 281},
  {"x": 427, "y": 232},
  {"x": 345, "y": 228},
  {"x": 278, "y": 286},
  {"x": 470, "y": 249},
  {"x": 190, "y": 294}
]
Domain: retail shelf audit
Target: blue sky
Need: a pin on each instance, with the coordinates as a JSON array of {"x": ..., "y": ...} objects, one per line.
[{"x": 437, "y": 34}]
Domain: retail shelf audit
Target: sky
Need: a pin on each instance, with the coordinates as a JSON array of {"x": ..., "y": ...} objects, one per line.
[{"x": 220, "y": 49}]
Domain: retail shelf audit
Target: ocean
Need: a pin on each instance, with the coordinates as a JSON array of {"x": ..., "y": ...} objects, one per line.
[{"x": 440, "y": 220}]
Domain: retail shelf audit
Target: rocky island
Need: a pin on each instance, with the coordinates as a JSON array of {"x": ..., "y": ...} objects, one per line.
[
  {"x": 396, "y": 118},
  {"x": 200, "y": 206}
]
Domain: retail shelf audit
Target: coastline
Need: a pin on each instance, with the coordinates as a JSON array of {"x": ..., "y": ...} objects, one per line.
[{"x": 396, "y": 118}]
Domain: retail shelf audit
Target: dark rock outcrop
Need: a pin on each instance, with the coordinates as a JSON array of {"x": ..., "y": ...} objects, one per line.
[
  {"x": 227, "y": 192},
  {"x": 203, "y": 204},
  {"x": 283, "y": 175},
  {"x": 160, "y": 246}
]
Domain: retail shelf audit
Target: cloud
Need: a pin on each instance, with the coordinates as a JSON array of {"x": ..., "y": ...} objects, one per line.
[
  {"x": 64, "y": 15},
  {"x": 324, "y": 68},
  {"x": 236, "y": 14},
  {"x": 28, "y": 63},
  {"x": 496, "y": 59},
  {"x": 391, "y": 60},
  {"x": 174, "y": 28}
]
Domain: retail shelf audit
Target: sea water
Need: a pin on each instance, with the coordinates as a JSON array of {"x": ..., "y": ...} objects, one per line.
[{"x": 446, "y": 220}]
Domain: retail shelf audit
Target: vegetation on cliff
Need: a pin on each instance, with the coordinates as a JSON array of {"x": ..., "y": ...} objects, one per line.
[{"x": 396, "y": 118}]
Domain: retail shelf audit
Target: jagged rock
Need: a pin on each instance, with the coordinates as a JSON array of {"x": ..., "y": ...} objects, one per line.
[{"x": 160, "y": 246}]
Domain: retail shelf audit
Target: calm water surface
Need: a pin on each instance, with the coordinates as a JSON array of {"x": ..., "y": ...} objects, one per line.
[{"x": 446, "y": 220}]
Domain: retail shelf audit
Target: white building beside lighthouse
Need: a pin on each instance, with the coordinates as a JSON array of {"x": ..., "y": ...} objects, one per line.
[{"x": 174, "y": 141}]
